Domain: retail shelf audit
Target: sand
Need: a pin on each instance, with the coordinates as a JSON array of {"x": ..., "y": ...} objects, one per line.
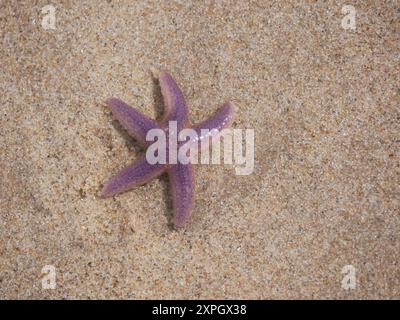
[{"x": 324, "y": 105}]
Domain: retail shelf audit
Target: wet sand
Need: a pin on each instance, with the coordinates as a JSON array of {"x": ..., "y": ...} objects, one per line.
[{"x": 324, "y": 194}]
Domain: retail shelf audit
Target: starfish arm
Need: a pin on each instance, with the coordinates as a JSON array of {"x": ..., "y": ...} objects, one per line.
[
  {"x": 221, "y": 119},
  {"x": 182, "y": 185},
  {"x": 136, "y": 123},
  {"x": 132, "y": 176},
  {"x": 175, "y": 105}
]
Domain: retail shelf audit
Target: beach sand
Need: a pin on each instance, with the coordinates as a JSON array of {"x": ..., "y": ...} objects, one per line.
[{"x": 323, "y": 198}]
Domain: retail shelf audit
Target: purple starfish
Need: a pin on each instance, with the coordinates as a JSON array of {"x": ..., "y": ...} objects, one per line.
[{"x": 138, "y": 125}]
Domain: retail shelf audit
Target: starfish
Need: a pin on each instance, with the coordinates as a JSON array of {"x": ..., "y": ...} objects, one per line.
[{"x": 180, "y": 174}]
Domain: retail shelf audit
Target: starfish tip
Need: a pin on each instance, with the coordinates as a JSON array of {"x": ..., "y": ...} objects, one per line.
[
  {"x": 165, "y": 77},
  {"x": 110, "y": 102},
  {"x": 229, "y": 105},
  {"x": 105, "y": 193},
  {"x": 178, "y": 224}
]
